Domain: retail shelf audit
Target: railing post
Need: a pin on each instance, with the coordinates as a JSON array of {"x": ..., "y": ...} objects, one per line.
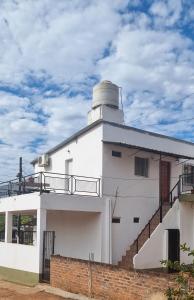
[
  {"x": 40, "y": 182},
  {"x": 137, "y": 246},
  {"x": 9, "y": 190},
  {"x": 24, "y": 186},
  {"x": 179, "y": 185},
  {"x": 170, "y": 199},
  {"x": 99, "y": 186},
  {"x": 71, "y": 187},
  {"x": 43, "y": 182},
  {"x": 161, "y": 213},
  {"x": 149, "y": 229}
]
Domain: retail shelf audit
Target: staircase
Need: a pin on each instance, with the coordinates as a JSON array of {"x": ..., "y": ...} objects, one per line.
[{"x": 127, "y": 259}]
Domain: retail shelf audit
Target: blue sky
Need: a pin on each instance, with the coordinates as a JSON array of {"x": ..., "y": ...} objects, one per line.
[{"x": 53, "y": 52}]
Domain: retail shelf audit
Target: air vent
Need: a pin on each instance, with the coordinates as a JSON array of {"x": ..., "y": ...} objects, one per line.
[{"x": 116, "y": 153}]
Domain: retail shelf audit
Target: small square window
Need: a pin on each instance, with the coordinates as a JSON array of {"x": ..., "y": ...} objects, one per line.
[
  {"x": 116, "y": 220},
  {"x": 141, "y": 166},
  {"x": 136, "y": 220},
  {"x": 116, "y": 153}
]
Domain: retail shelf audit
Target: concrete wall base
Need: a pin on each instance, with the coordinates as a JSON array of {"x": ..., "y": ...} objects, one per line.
[{"x": 19, "y": 276}]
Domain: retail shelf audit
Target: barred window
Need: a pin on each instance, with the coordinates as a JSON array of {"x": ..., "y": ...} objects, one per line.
[
  {"x": 141, "y": 166},
  {"x": 188, "y": 177}
]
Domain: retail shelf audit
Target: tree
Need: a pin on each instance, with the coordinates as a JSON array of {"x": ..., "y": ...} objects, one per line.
[{"x": 182, "y": 289}]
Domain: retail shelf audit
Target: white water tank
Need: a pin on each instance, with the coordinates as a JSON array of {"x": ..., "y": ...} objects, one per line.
[{"x": 105, "y": 93}]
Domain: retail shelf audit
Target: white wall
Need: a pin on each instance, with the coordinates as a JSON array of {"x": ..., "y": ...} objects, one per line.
[
  {"x": 77, "y": 233},
  {"x": 86, "y": 152},
  {"x": 20, "y": 202},
  {"x": 155, "y": 248},
  {"x": 20, "y": 257},
  {"x": 137, "y": 196},
  {"x": 186, "y": 228}
]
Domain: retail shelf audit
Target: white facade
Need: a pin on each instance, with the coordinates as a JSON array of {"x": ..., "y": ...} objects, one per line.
[{"x": 107, "y": 190}]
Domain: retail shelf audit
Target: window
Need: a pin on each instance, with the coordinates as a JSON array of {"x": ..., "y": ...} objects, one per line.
[
  {"x": 188, "y": 171},
  {"x": 136, "y": 220},
  {"x": 116, "y": 220},
  {"x": 116, "y": 153},
  {"x": 141, "y": 166}
]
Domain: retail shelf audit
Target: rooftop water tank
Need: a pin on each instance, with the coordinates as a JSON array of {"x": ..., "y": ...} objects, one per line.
[{"x": 105, "y": 93}]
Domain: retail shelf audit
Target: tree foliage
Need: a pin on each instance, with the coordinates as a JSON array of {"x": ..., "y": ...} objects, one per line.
[{"x": 185, "y": 273}]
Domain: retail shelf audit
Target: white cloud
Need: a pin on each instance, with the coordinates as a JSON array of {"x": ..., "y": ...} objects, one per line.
[
  {"x": 62, "y": 40},
  {"x": 52, "y": 51},
  {"x": 166, "y": 12}
]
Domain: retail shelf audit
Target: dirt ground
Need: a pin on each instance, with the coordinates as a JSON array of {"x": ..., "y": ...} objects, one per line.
[{"x": 19, "y": 292}]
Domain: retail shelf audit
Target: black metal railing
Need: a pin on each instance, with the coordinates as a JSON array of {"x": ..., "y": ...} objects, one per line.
[
  {"x": 24, "y": 237},
  {"x": 185, "y": 184},
  {"x": 51, "y": 182}
]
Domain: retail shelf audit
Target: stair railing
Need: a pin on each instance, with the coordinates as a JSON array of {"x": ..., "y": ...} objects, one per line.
[{"x": 173, "y": 195}]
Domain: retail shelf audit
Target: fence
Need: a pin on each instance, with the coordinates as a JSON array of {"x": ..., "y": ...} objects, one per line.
[
  {"x": 51, "y": 182},
  {"x": 186, "y": 182},
  {"x": 24, "y": 237}
]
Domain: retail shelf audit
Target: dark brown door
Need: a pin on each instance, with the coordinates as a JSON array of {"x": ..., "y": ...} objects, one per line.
[{"x": 164, "y": 181}]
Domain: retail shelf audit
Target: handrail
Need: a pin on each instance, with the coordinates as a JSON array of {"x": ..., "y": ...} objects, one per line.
[
  {"x": 82, "y": 176},
  {"x": 171, "y": 201},
  {"x": 51, "y": 182}
]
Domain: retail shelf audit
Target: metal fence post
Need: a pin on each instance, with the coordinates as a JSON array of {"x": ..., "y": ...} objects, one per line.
[
  {"x": 71, "y": 186},
  {"x": 99, "y": 182},
  {"x": 161, "y": 213},
  {"x": 179, "y": 185},
  {"x": 40, "y": 182}
]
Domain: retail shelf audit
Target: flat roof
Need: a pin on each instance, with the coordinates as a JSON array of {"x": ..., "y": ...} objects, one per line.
[{"x": 91, "y": 126}]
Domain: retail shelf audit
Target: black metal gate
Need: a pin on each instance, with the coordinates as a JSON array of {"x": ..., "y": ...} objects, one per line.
[{"x": 48, "y": 250}]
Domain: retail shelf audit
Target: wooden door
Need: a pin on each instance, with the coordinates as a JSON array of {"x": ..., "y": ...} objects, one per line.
[{"x": 164, "y": 181}]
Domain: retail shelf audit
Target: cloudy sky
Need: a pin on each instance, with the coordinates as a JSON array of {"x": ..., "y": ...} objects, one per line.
[{"x": 53, "y": 52}]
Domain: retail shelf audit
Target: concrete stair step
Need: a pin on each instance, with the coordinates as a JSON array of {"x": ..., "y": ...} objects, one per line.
[{"x": 127, "y": 259}]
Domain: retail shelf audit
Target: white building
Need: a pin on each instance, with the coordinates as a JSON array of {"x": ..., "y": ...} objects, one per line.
[{"x": 109, "y": 193}]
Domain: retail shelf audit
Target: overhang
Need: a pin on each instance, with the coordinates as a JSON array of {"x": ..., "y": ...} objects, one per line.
[{"x": 132, "y": 146}]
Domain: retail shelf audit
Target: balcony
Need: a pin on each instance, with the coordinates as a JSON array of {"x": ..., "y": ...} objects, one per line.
[
  {"x": 47, "y": 182},
  {"x": 187, "y": 187}
]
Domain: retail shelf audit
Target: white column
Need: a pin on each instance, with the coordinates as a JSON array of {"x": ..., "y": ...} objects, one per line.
[
  {"x": 107, "y": 232},
  {"x": 41, "y": 227},
  {"x": 8, "y": 226}
]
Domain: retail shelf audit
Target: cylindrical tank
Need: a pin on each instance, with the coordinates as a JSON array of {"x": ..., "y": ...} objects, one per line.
[{"x": 105, "y": 93}]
